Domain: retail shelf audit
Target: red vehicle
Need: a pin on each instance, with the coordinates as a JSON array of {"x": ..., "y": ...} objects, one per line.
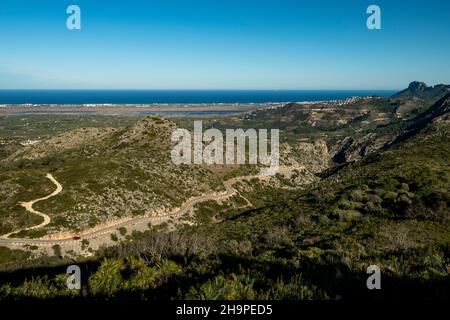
[{"x": 76, "y": 238}]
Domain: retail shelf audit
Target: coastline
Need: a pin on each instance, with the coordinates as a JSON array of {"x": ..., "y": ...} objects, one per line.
[
  {"x": 131, "y": 109},
  {"x": 166, "y": 109}
]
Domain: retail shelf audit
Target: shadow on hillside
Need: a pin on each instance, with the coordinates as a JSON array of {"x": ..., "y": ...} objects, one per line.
[{"x": 336, "y": 279}]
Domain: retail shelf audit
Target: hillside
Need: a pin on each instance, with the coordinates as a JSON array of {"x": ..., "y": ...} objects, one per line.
[
  {"x": 420, "y": 90},
  {"x": 106, "y": 174},
  {"x": 417, "y": 97},
  {"x": 391, "y": 208},
  {"x": 117, "y": 173}
]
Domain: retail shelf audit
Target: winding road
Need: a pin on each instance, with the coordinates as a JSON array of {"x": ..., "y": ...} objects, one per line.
[
  {"x": 29, "y": 207},
  {"x": 184, "y": 209}
]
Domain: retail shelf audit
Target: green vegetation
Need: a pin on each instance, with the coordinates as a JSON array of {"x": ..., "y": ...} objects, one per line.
[
  {"x": 315, "y": 245},
  {"x": 40, "y": 126},
  {"x": 390, "y": 209},
  {"x": 84, "y": 244},
  {"x": 8, "y": 256},
  {"x": 123, "y": 231},
  {"x": 106, "y": 174}
]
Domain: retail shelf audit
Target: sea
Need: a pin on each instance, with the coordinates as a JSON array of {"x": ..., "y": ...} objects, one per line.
[{"x": 177, "y": 96}]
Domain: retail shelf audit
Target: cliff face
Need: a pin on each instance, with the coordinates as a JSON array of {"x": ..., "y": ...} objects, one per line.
[{"x": 354, "y": 148}]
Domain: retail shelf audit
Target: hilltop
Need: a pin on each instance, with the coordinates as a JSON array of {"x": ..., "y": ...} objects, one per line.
[
  {"x": 107, "y": 174},
  {"x": 110, "y": 174},
  {"x": 417, "y": 97},
  {"x": 421, "y": 90}
]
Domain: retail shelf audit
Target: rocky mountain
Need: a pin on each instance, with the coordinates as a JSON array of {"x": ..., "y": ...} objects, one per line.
[
  {"x": 352, "y": 128},
  {"x": 422, "y": 91},
  {"x": 417, "y": 97},
  {"x": 360, "y": 144}
]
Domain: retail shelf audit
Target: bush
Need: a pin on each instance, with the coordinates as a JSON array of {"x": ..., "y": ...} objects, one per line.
[
  {"x": 236, "y": 287},
  {"x": 278, "y": 236},
  {"x": 123, "y": 231},
  {"x": 129, "y": 274},
  {"x": 295, "y": 289}
]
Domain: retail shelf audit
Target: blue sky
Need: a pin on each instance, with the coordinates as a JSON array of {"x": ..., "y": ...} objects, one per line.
[{"x": 223, "y": 44}]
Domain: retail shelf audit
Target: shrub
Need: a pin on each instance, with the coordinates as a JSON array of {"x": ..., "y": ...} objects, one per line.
[
  {"x": 129, "y": 274},
  {"x": 236, "y": 287},
  {"x": 295, "y": 289},
  {"x": 277, "y": 236},
  {"x": 123, "y": 231}
]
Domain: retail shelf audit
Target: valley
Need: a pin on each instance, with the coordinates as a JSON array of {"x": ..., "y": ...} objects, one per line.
[{"x": 361, "y": 181}]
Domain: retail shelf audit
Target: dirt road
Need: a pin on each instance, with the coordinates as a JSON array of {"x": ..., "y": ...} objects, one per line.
[
  {"x": 29, "y": 207},
  {"x": 184, "y": 209}
]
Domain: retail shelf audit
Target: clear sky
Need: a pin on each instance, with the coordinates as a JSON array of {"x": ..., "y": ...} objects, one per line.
[{"x": 223, "y": 44}]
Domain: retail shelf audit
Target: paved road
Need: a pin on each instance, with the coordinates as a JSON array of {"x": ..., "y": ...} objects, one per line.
[{"x": 229, "y": 191}]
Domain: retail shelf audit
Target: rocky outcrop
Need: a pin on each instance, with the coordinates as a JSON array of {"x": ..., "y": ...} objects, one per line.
[
  {"x": 416, "y": 98},
  {"x": 354, "y": 148},
  {"x": 421, "y": 90}
]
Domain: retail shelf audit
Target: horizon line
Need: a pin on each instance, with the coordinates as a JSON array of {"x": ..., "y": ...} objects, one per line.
[{"x": 190, "y": 89}]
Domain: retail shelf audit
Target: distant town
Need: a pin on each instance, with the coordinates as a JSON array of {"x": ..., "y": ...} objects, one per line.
[{"x": 162, "y": 108}]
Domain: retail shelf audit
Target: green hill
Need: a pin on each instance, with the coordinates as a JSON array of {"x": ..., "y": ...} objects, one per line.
[{"x": 391, "y": 209}]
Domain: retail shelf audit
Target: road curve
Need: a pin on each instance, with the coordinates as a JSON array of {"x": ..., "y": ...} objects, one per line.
[
  {"x": 29, "y": 207},
  {"x": 229, "y": 191}
]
